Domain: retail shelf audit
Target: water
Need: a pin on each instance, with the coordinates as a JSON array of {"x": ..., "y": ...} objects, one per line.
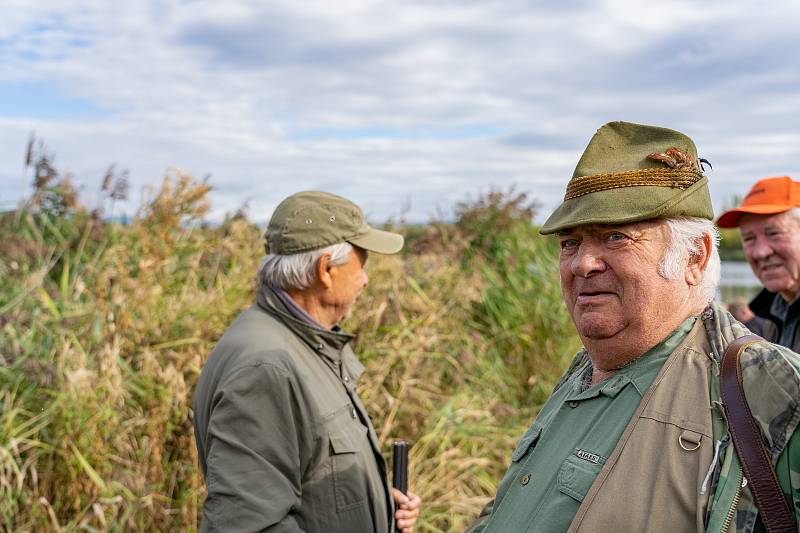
[{"x": 737, "y": 281}]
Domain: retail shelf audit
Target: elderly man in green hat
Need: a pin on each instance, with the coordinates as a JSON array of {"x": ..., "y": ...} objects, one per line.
[
  {"x": 283, "y": 439},
  {"x": 635, "y": 436}
]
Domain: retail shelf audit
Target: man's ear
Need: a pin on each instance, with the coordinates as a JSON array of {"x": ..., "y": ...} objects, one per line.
[
  {"x": 324, "y": 270},
  {"x": 698, "y": 261}
]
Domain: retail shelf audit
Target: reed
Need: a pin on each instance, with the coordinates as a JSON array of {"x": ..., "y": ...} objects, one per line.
[{"x": 104, "y": 329}]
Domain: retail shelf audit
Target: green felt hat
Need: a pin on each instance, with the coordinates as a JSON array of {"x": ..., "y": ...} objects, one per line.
[
  {"x": 313, "y": 219},
  {"x": 632, "y": 172}
]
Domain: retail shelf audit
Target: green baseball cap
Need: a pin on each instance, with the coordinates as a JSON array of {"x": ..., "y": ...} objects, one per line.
[
  {"x": 631, "y": 172},
  {"x": 313, "y": 219}
]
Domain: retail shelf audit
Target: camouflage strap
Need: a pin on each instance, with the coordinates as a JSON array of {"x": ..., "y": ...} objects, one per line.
[{"x": 749, "y": 445}]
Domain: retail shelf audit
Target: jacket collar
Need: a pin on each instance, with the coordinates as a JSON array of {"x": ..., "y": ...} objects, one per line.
[
  {"x": 329, "y": 343},
  {"x": 721, "y": 329},
  {"x": 766, "y": 303},
  {"x": 761, "y": 305}
]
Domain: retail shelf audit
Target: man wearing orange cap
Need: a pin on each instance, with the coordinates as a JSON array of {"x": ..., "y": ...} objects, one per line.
[{"x": 769, "y": 221}]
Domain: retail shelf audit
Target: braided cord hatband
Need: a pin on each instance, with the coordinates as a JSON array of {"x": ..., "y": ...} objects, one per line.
[{"x": 645, "y": 177}]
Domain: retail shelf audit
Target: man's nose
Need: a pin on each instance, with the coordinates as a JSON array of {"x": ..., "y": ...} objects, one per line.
[
  {"x": 587, "y": 261},
  {"x": 759, "y": 249}
]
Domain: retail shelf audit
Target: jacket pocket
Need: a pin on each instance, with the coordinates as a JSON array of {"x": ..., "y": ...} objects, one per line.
[
  {"x": 350, "y": 484},
  {"x": 577, "y": 474}
]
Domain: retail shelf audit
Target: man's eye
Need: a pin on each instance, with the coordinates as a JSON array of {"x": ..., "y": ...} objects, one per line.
[
  {"x": 616, "y": 236},
  {"x": 566, "y": 244}
]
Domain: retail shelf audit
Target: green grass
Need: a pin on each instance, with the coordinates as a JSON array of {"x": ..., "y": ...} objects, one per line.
[{"x": 104, "y": 330}]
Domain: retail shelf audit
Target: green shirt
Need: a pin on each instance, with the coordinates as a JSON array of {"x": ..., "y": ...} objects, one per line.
[{"x": 559, "y": 457}]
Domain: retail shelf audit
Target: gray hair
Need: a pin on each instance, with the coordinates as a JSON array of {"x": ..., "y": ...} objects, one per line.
[
  {"x": 685, "y": 242},
  {"x": 795, "y": 212},
  {"x": 298, "y": 271}
]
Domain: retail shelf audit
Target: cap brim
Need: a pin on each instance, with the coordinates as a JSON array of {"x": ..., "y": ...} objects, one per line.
[
  {"x": 730, "y": 219},
  {"x": 382, "y": 242}
]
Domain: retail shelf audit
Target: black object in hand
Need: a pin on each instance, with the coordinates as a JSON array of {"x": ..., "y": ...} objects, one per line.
[{"x": 400, "y": 468}]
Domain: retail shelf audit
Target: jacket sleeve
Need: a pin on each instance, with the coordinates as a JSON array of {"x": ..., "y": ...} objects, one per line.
[{"x": 258, "y": 447}]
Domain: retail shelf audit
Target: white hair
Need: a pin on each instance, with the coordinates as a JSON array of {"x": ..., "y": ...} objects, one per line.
[
  {"x": 298, "y": 271},
  {"x": 686, "y": 236},
  {"x": 795, "y": 212}
]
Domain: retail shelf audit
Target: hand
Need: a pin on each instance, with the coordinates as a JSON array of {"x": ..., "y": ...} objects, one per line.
[{"x": 407, "y": 509}]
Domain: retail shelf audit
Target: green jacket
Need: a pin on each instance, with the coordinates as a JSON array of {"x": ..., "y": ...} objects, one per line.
[{"x": 283, "y": 439}]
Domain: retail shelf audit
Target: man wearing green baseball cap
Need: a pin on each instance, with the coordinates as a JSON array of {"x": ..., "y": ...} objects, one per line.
[
  {"x": 284, "y": 442},
  {"x": 633, "y": 437}
]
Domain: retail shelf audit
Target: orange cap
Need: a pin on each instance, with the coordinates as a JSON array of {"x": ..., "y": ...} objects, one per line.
[{"x": 767, "y": 197}]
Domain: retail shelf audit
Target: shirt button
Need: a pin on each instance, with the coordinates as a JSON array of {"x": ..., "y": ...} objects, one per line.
[
  {"x": 525, "y": 479},
  {"x": 353, "y": 413},
  {"x": 573, "y": 404},
  {"x": 347, "y": 379},
  {"x": 319, "y": 347}
]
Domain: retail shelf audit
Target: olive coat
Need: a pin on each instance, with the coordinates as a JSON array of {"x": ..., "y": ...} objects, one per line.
[{"x": 284, "y": 442}]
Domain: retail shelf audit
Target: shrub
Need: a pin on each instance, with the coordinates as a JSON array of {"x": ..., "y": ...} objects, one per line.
[{"x": 104, "y": 329}]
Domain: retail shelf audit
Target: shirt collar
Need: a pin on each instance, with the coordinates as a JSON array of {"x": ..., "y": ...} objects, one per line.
[
  {"x": 295, "y": 310},
  {"x": 639, "y": 372},
  {"x": 779, "y": 308},
  {"x": 642, "y": 371},
  {"x": 772, "y": 305}
]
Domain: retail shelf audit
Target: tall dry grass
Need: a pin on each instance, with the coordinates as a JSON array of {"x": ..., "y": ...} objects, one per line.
[{"x": 104, "y": 329}]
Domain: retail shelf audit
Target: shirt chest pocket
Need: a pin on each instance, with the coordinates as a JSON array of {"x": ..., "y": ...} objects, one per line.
[
  {"x": 577, "y": 473},
  {"x": 515, "y": 480},
  {"x": 526, "y": 443},
  {"x": 348, "y": 449}
]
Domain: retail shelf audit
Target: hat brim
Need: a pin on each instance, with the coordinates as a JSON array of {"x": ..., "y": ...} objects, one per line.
[
  {"x": 731, "y": 219},
  {"x": 382, "y": 242}
]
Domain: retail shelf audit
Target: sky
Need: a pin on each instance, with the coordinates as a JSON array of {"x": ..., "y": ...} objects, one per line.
[{"x": 407, "y": 108}]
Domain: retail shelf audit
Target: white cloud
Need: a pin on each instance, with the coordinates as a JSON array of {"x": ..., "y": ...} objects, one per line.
[{"x": 388, "y": 102}]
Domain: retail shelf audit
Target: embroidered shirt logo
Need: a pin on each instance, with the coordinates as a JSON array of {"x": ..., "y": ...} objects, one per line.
[{"x": 586, "y": 456}]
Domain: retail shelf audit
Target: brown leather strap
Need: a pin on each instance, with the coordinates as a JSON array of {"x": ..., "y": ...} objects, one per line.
[{"x": 755, "y": 461}]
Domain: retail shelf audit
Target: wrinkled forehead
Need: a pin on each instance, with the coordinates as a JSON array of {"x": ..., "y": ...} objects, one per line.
[
  {"x": 756, "y": 222},
  {"x": 654, "y": 224}
]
